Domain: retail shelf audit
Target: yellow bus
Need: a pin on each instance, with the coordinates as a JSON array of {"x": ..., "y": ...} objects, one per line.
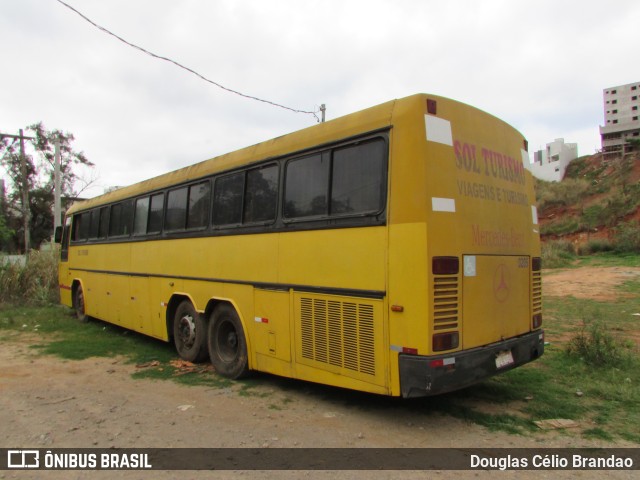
[{"x": 394, "y": 250}]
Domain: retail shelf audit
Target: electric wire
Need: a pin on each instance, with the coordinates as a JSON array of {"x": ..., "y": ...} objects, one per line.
[{"x": 166, "y": 59}]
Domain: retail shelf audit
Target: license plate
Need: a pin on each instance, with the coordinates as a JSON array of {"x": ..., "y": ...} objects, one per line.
[{"x": 504, "y": 359}]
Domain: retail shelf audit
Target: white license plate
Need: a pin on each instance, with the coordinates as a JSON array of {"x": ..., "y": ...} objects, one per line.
[{"x": 504, "y": 359}]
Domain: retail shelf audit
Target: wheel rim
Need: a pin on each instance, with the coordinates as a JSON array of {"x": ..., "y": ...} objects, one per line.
[
  {"x": 187, "y": 331},
  {"x": 227, "y": 341}
]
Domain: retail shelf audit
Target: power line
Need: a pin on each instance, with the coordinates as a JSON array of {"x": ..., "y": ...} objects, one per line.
[{"x": 202, "y": 77}]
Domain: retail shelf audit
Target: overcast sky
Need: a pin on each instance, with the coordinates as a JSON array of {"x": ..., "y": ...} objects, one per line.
[{"x": 540, "y": 65}]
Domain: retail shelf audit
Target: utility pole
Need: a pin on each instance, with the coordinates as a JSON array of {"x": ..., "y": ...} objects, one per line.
[
  {"x": 323, "y": 109},
  {"x": 57, "y": 207},
  {"x": 26, "y": 211}
]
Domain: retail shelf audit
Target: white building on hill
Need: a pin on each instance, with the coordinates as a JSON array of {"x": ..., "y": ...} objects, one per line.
[
  {"x": 550, "y": 164},
  {"x": 621, "y": 117}
]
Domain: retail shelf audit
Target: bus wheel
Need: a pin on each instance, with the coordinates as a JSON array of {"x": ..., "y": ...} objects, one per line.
[
  {"x": 189, "y": 333},
  {"x": 78, "y": 305},
  {"x": 227, "y": 343}
]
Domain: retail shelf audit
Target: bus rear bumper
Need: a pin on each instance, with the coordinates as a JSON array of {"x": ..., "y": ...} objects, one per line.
[{"x": 424, "y": 376}]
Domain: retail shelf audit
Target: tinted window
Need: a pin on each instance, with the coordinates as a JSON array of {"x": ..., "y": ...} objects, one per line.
[
  {"x": 81, "y": 224},
  {"x": 120, "y": 219},
  {"x": 141, "y": 216},
  {"x": 307, "y": 182},
  {"x": 176, "y": 215},
  {"x": 95, "y": 223},
  {"x": 358, "y": 179},
  {"x": 227, "y": 199},
  {"x": 262, "y": 194},
  {"x": 104, "y": 222},
  {"x": 155, "y": 214},
  {"x": 199, "y": 203}
]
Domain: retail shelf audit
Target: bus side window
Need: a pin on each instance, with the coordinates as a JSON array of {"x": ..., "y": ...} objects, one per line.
[
  {"x": 81, "y": 225},
  {"x": 227, "y": 199},
  {"x": 95, "y": 223},
  {"x": 141, "y": 216},
  {"x": 261, "y": 196},
  {"x": 199, "y": 205},
  {"x": 175, "y": 218},
  {"x": 306, "y": 186},
  {"x": 358, "y": 181},
  {"x": 120, "y": 219},
  {"x": 66, "y": 236},
  {"x": 155, "y": 213},
  {"x": 103, "y": 230}
]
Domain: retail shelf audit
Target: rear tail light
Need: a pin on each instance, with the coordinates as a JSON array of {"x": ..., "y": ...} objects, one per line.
[
  {"x": 445, "y": 341},
  {"x": 536, "y": 264},
  {"x": 445, "y": 265},
  {"x": 432, "y": 107},
  {"x": 537, "y": 320}
]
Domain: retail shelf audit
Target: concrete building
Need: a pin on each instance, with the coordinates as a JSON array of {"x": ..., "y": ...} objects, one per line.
[
  {"x": 621, "y": 113},
  {"x": 551, "y": 163}
]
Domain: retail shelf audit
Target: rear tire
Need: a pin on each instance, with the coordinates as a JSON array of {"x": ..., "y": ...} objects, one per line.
[
  {"x": 189, "y": 333},
  {"x": 227, "y": 343},
  {"x": 79, "y": 305}
]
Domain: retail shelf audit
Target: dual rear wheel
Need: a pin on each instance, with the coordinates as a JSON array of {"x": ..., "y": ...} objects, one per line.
[{"x": 221, "y": 338}]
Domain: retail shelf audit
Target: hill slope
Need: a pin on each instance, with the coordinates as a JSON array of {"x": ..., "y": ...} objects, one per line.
[{"x": 596, "y": 203}]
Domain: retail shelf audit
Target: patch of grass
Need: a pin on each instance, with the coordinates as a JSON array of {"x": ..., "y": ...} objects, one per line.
[
  {"x": 598, "y": 434},
  {"x": 608, "y": 259},
  {"x": 63, "y": 336},
  {"x": 99, "y": 339},
  {"x": 166, "y": 371}
]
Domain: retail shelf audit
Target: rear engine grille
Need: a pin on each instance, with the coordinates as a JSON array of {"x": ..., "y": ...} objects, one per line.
[
  {"x": 446, "y": 298},
  {"x": 536, "y": 292}
]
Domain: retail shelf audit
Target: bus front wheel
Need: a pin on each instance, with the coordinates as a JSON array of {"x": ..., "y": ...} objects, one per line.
[
  {"x": 227, "y": 343},
  {"x": 189, "y": 332}
]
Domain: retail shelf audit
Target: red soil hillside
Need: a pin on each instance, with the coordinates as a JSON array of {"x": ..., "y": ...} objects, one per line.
[{"x": 596, "y": 196}]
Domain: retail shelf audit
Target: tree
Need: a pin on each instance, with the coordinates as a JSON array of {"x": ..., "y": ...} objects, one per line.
[
  {"x": 5, "y": 233},
  {"x": 39, "y": 159},
  {"x": 44, "y": 144}
]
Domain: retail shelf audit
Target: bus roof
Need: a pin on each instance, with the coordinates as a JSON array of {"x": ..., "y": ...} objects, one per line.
[{"x": 368, "y": 120}]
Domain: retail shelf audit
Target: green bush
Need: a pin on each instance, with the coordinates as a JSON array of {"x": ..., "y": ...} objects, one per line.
[
  {"x": 562, "y": 227},
  {"x": 627, "y": 237},
  {"x": 593, "y": 216},
  {"x": 596, "y": 246},
  {"x": 597, "y": 347},
  {"x": 34, "y": 283},
  {"x": 557, "y": 253}
]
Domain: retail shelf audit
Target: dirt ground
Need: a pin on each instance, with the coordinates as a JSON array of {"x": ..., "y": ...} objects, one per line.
[
  {"x": 596, "y": 283},
  {"x": 46, "y": 402}
]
